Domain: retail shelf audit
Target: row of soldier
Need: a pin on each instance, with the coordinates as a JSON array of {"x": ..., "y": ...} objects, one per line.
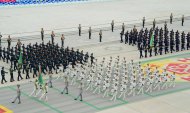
[{"x": 117, "y": 78}]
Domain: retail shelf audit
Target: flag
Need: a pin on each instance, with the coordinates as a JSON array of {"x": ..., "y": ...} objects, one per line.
[
  {"x": 20, "y": 59},
  {"x": 152, "y": 41},
  {"x": 40, "y": 79}
]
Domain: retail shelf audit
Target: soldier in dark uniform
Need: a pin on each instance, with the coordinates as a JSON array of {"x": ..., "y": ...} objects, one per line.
[
  {"x": 9, "y": 41},
  {"x": 4, "y": 54},
  {"x": 143, "y": 22},
  {"x": 150, "y": 50},
  {"x": 8, "y": 55},
  {"x": 171, "y": 18},
  {"x": 123, "y": 28},
  {"x": 154, "y": 24},
  {"x": 79, "y": 28},
  {"x": 112, "y": 25},
  {"x": 126, "y": 37},
  {"x": 141, "y": 51},
  {"x": 121, "y": 36},
  {"x": 11, "y": 75},
  {"x": 27, "y": 71},
  {"x": 0, "y": 38},
  {"x": 92, "y": 58},
  {"x": 3, "y": 75},
  {"x": 86, "y": 57},
  {"x": 145, "y": 51},
  {"x": 188, "y": 40},
  {"x": 100, "y": 35},
  {"x": 182, "y": 41},
  {"x": 42, "y": 34},
  {"x": 182, "y": 20},
  {"x": 0, "y": 52},
  {"x": 89, "y": 32},
  {"x": 19, "y": 74}
]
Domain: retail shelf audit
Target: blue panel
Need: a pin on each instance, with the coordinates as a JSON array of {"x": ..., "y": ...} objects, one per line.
[{"x": 23, "y": 2}]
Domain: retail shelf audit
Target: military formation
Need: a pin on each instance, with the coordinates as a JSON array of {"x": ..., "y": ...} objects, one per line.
[
  {"x": 115, "y": 78},
  {"x": 48, "y": 57},
  {"x": 164, "y": 41}
]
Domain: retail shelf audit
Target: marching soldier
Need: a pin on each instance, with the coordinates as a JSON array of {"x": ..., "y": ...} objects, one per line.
[
  {"x": 80, "y": 92},
  {"x": 112, "y": 25},
  {"x": 19, "y": 74},
  {"x": 79, "y": 28},
  {"x": 66, "y": 86},
  {"x": 18, "y": 95},
  {"x": 100, "y": 35},
  {"x": 11, "y": 75},
  {"x": 3, "y": 75}
]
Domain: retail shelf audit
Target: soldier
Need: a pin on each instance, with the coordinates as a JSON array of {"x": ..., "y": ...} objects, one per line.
[
  {"x": 45, "y": 91},
  {"x": 182, "y": 20},
  {"x": 126, "y": 37},
  {"x": 27, "y": 71},
  {"x": 121, "y": 36},
  {"x": 19, "y": 44},
  {"x": 188, "y": 40},
  {"x": 171, "y": 18},
  {"x": 66, "y": 86},
  {"x": 172, "y": 80},
  {"x": 141, "y": 52},
  {"x": 89, "y": 32},
  {"x": 42, "y": 34},
  {"x": 100, "y": 35},
  {"x": 112, "y": 25},
  {"x": 18, "y": 95},
  {"x": 19, "y": 74},
  {"x": 80, "y": 92},
  {"x": 62, "y": 40},
  {"x": 3, "y": 75},
  {"x": 52, "y": 37},
  {"x": 154, "y": 24},
  {"x": 79, "y": 28},
  {"x": 11, "y": 75},
  {"x": 143, "y": 22},
  {"x": 0, "y": 38},
  {"x": 9, "y": 41},
  {"x": 35, "y": 88},
  {"x": 123, "y": 28}
]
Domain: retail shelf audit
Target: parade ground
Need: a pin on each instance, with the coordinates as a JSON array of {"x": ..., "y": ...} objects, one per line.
[{"x": 25, "y": 22}]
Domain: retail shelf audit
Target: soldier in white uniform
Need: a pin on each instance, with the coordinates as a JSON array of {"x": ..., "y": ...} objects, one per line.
[
  {"x": 35, "y": 88},
  {"x": 132, "y": 88},
  {"x": 172, "y": 80},
  {"x": 123, "y": 90},
  {"x": 114, "y": 92},
  {"x": 66, "y": 86},
  {"x": 106, "y": 88},
  {"x": 141, "y": 86},
  {"x": 157, "y": 82},
  {"x": 90, "y": 82},
  {"x": 45, "y": 91},
  {"x": 149, "y": 84},
  {"x": 98, "y": 85},
  {"x": 164, "y": 81},
  {"x": 80, "y": 92}
]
